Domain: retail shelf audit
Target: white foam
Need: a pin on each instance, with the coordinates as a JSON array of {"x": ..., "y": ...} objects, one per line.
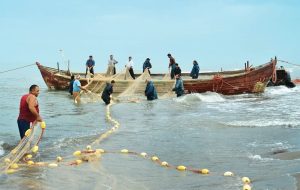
[
  {"x": 278, "y": 90},
  {"x": 1, "y": 149},
  {"x": 274, "y": 146},
  {"x": 265, "y": 123},
  {"x": 203, "y": 97},
  {"x": 259, "y": 158}
]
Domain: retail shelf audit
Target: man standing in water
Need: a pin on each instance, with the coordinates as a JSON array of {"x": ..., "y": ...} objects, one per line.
[
  {"x": 108, "y": 90},
  {"x": 179, "y": 89},
  {"x": 150, "y": 90},
  {"x": 172, "y": 65},
  {"x": 29, "y": 110},
  {"x": 71, "y": 84},
  {"x": 76, "y": 89},
  {"x": 90, "y": 63}
]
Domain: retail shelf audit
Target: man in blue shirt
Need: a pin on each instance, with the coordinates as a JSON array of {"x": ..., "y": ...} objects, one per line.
[
  {"x": 76, "y": 89},
  {"x": 90, "y": 63},
  {"x": 195, "y": 71},
  {"x": 179, "y": 89},
  {"x": 147, "y": 65},
  {"x": 150, "y": 90}
]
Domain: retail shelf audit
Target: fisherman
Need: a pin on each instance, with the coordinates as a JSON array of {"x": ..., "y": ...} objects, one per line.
[
  {"x": 150, "y": 90},
  {"x": 171, "y": 65},
  {"x": 177, "y": 70},
  {"x": 111, "y": 65},
  {"x": 108, "y": 90},
  {"x": 195, "y": 70},
  {"x": 147, "y": 65},
  {"x": 129, "y": 66},
  {"x": 76, "y": 89},
  {"x": 29, "y": 110},
  {"x": 71, "y": 84},
  {"x": 90, "y": 63},
  {"x": 179, "y": 89}
]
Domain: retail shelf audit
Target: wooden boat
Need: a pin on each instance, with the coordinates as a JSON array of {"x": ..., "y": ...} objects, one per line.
[{"x": 248, "y": 80}]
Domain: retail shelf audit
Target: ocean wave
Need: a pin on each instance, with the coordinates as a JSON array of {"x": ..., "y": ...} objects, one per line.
[
  {"x": 275, "y": 147},
  {"x": 1, "y": 148},
  {"x": 259, "y": 158},
  {"x": 279, "y": 90},
  {"x": 265, "y": 123},
  {"x": 203, "y": 97}
]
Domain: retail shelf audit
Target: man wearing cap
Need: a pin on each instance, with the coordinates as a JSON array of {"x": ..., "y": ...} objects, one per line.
[
  {"x": 147, "y": 65},
  {"x": 90, "y": 63}
]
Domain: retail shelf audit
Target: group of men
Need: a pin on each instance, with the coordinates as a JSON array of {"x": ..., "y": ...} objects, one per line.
[
  {"x": 173, "y": 66},
  {"x": 150, "y": 91},
  {"x": 29, "y": 107},
  {"x": 90, "y": 64}
]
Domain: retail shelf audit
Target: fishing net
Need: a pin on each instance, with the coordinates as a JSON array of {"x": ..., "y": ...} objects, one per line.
[
  {"x": 28, "y": 144},
  {"x": 129, "y": 90},
  {"x": 135, "y": 88},
  {"x": 167, "y": 76},
  {"x": 110, "y": 70}
]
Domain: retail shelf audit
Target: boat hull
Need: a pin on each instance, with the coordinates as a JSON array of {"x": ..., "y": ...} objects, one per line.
[{"x": 252, "y": 80}]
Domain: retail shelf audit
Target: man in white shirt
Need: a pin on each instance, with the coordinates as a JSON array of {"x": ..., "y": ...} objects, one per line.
[
  {"x": 111, "y": 65},
  {"x": 129, "y": 66}
]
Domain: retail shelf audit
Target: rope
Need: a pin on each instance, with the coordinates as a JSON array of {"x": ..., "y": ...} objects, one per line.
[
  {"x": 274, "y": 74},
  {"x": 289, "y": 63},
  {"x": 1, "y": 72}
]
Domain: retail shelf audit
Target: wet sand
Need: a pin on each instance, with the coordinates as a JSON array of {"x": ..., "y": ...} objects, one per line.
[
  {"x": 288, "y": 155},
  {"x": 297, "y": 177}
]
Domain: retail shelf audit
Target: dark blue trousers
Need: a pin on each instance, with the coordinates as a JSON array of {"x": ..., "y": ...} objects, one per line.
[{"x": 23, "y": 127}]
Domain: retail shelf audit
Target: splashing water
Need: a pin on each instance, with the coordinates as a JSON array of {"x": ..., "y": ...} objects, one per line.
[{"x": 1, "y": 149}]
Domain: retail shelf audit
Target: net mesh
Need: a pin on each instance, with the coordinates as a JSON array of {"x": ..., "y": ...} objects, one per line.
[
  {"x": 31, "y": 139},
  {"x": 128, "y": 89}
]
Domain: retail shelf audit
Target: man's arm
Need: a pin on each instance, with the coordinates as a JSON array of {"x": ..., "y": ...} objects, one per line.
[{"x": 31, "y": 105}]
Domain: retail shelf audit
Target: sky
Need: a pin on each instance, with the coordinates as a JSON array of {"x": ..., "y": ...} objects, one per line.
[{"x": 218, "y": 34}]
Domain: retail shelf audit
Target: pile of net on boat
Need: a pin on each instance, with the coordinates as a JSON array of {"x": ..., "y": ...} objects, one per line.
[{"x": 131, "y": 93}]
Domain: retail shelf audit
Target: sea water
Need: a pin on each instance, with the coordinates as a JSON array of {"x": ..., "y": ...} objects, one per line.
[{"x": 241, "y": 134}]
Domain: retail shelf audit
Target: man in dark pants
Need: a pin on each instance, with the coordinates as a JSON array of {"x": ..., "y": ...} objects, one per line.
[
  {"x": 150, "y": 90},
  {"x": 147, "y": 65},
  {"x": 177, "y": 70},
  {"x": 129, "y": 66},
  {"x": 71, "y": 84},
  {"x": 90, "y": 63},
  {"x": 171, "y": 65},
  {"x": 108, "y": 90},
  {"x": 29, "y": 110},
  {"x": 179, "y": 89}
]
